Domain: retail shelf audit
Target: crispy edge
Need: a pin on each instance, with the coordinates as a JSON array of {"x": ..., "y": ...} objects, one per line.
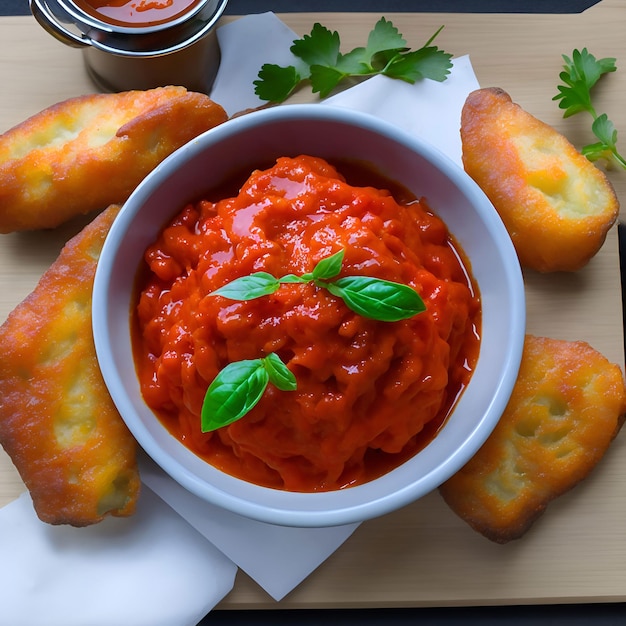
[
  {"x": 57, "y": 421},
  {"x": 88, "y": 152},
  {"x": 555, "y": 203},
  {"x": 567, "y": 406}
]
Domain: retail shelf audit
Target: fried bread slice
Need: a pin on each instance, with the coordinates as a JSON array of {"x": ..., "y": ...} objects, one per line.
[
  {"x": 57, "y": 421},
  {"x": 91, "y": 151},
  {"x": 556, "y": 205},
  {"x": 566, "y": 407}
]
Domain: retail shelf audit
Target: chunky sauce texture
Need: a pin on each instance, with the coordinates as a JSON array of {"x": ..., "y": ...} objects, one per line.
[
  {"x": 136, "y": 13},
  {"x": 370, "y": 394}
]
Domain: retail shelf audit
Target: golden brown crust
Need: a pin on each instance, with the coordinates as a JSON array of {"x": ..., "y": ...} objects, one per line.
[
  {"x": 566, "y": 407},
  {"x": 57, "y": 421},
  {"x": 556, "y": 205},
  {"x": 85, "y": 153}
]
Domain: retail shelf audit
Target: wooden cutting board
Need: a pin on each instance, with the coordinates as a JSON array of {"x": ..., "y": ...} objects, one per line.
[{"x": 422, "y": 555}]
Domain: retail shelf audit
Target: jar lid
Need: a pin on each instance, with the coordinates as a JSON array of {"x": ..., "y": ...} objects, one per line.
[{"x": 71, "y": 24}]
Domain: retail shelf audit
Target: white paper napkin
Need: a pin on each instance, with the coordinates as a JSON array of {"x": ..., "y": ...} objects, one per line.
[
  {"x": 428, "y": 109},
  {"x": 160, "y": 567},
  {"x": 246, "y": 44},
  {"x": 277, "y": 557},
  {"x": 151, "y": 569}
]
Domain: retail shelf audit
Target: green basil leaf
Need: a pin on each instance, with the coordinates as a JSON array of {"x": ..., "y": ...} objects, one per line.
[
  {"x": 328, "y": 267},
  {"x": 249, "y": 287},
  {"x": 233, "y": 393},
  {"x": 240, "y": 385},
  {"x": 377, "y": 299},
  {"x": 292, "y": 278},
  {"x": 280, "y": 375}
]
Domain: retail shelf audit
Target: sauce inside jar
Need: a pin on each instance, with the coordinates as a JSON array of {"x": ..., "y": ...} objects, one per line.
[
  {"x": 370, "y": 394},
  {"x": 136, "y": 13}
]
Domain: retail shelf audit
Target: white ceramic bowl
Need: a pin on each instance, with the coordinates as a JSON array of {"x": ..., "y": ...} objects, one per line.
[{"x": 329, "y": 132}]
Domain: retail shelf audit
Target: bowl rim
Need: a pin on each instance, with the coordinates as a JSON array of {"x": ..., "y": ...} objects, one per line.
[{"x": 302, "y": 511}]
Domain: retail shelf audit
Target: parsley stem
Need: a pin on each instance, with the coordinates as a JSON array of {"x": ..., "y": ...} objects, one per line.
[{"x": 619, "y": 158}]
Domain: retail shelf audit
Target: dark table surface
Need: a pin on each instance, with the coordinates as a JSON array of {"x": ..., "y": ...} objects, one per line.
[
  {"x": 538, "y": 615},
  {"x": 242, "y": 7}
]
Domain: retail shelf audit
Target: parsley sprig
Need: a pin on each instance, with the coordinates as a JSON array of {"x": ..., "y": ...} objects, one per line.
[
  {"x": 320, "y": 61},
  {"x": 239, "y": 386},
  {"x": 580, "y": 74}
]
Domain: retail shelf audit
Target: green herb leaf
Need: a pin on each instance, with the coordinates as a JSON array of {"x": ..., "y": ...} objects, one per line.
[
  {"x": 383, "y": 37},
  {"x": 328, "y": 267},
  {"x": 580, "y": 74},
  {"x": 323, "y": 64},
  {"x": 249, "y": 287},
  {"x": 324, "y": 79},
  {"x": 604, "y": 130},
  {"x": 276, "y": 83},
  {"x": 354, "y": 63},
  {"x": 321, "y": 47},
  {"x": 240, "y": 385},
  {"x": 424, "y": 63},
  {"x": 597, "y": 152},
  {"x": 233, "y": 393},
  {"x": 280, "y": 375},
  {"x": 377, "y": 299},
  {"x": 292, "y": 278},
  {"x": 237, "y": 389}
]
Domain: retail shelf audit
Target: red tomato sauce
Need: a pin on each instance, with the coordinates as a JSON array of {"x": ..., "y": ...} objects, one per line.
[
  {"x": 134, "y": 13},
  {"x": 369, "y": 394}
]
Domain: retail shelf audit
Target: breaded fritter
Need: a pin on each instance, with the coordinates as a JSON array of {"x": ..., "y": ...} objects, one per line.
[
  {"x": 556, "y": 205},
  {"x": 57, "y": 421},
  {"x": 566, "y": 407},
  {"x": 88, "y": 152}
]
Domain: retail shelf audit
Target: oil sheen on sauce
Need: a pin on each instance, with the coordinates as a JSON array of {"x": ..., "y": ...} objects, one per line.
[
  {"x": 370, "y": 394},
  {"x": 136, "y": 13}
]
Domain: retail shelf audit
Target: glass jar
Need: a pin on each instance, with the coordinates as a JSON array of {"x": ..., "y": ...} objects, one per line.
[{"x": 144, "y": 50}]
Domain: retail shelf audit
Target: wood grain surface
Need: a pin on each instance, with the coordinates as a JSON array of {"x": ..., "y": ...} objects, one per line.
[{"x": 422, "y": 555}]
